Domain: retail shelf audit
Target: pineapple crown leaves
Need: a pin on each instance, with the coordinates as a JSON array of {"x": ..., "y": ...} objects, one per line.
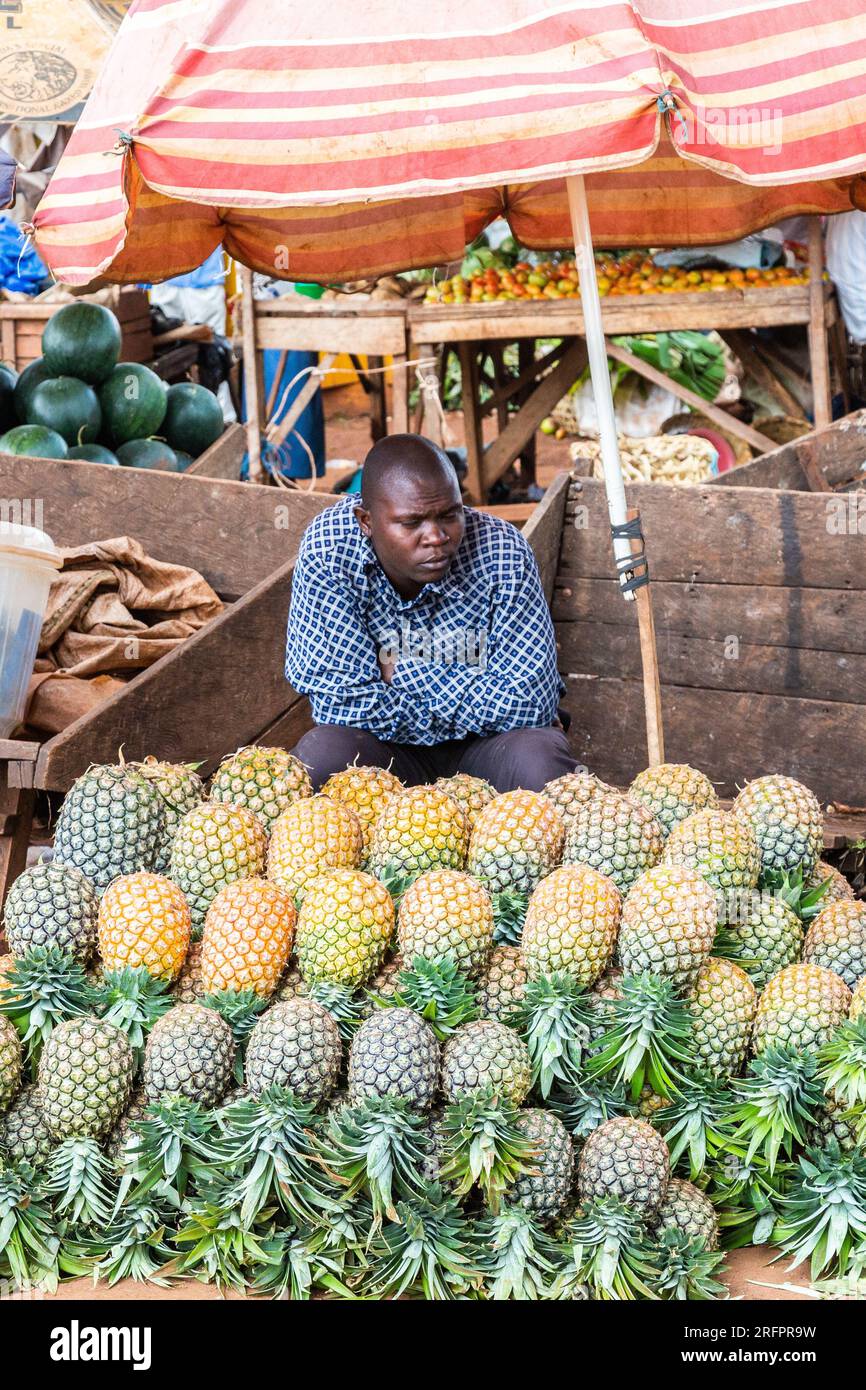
[
  {"x": 646, "y": 1042},
  {"x": 132, "y": 1246},
  {"x": 605, "y": 1247},
  {"x": 167, "y": 1150},
  {"x": 267, "y": 1144},
  {"x": 437, "y": 991},
  {"x": 377, "y": 1147},
  {"x": 791, "y": 887},
  {"x": 428, "y": 1251},
  {"x": 778, "y": 1100},
  {"x": 484, "y": 1147},
  {"x": 292, "y": 1270},
  {"x": 28, "y": 1242},
  {"x": 842, "y": 1063},
  {"x": 41, "y": 990},
  {"x": 584, "y": 1107},
  {"x": 728, "y": 946},
  {"x": 343, "y": 1006},
  {"x": 556, "y": 1024},
  {"x": 509, "y": 914},
  {"x": 823, "y": 1219},
  {"x": 748, "y": 1198},
  {"x": 696, "y": 1122},
  {"x": 81, "y": 1181},
  {"x": 132, "y": 1000},
  {"x": 217, "y": 1245},
  {"x": 517, "y": 1259},
  {"x": 683, "y": 1268}
]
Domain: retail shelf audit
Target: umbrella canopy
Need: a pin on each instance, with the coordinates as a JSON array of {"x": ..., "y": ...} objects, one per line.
[
  {"x": 50, "y": 54},
  {"x": 367, "y": 136}
]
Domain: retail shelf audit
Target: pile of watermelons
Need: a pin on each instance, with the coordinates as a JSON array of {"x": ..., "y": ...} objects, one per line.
[{"x": 78, "y": 401}]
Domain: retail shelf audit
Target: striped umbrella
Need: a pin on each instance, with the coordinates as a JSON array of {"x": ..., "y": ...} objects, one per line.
[{"x": 377, "y": 135}]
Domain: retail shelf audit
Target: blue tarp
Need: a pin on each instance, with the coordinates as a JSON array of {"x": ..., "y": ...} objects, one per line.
[
  {"x": 292, "y": 460},
  {"x": 21, "y": 267}
]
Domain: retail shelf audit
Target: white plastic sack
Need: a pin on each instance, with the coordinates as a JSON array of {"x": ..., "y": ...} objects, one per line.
[
  {"x": 640, "y": 407},
  {"x": 846, "y": 262}
]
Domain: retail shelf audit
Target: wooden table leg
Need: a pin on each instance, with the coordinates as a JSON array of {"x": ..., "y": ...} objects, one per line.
[
  {"x": 399, "y": 397},
  {"x": 430, "y": 422},
  {"x": 16, "y": 821},
  {"x": 822, "y": 406},
  {"x": 527, "y": 456},
  {"x": 839, "y": 344},
  {"x": 253, "y": 366},
  {"x": 468, "y": 353}
]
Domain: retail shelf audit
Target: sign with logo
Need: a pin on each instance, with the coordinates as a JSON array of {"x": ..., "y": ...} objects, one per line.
[{"x": 50, "y": 55}]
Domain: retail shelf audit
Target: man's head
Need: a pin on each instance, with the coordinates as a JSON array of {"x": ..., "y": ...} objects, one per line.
[{"x": 411, "y": 510}]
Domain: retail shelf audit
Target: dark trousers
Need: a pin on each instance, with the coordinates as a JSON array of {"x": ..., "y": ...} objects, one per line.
[{"x": 520, "y": 758}]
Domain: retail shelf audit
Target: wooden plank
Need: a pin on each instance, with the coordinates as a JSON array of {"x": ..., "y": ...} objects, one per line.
[
  {"x": 18, "y": 750},
  {"x": 829, "y": 620},
  {"x": 285, "y": 731},
  {"x": 723, "y": 535},
  {"x": 504, "y": 450},
  {"x": 476, "y": 485},
  {"x": 252, "y": 380},
  {"x": 516, "y": 512},
  {"x": 645, "y": 313},
  {"x": 838, "y": 451},
  {"x": 373, "y": 337},
  {"x": 730, "y": 735},
  {"x": 235, "y": 534},
  {"x": 215, "y": 691},
  {"x": 543, "y": 531},
  {"x": 224, "y": 457},
  {"x": 604, "y": 649},
  {"x": 400, "y": 394},
  {"x": 276, "y": 431},
  {"x": 14, "y": 840},
  {"x": 430, "y": 422},
  {"x": 747, "y": 347},
  {"x": 712, "y": 412},
  {"x": 819, "y": 360}
]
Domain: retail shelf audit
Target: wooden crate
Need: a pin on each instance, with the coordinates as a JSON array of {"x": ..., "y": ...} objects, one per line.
[
  {"x": 832, "y": 459},
  {"x": 22, "y": 326},
  {"x": 760, "y": 614}
]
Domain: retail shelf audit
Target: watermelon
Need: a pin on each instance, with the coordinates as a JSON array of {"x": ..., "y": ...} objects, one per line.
[
  {"x": 35, "y": 441},
  {"x": 31, "y": 377},
  {"x": 68, "y": 406},
  {"x": 82, "y": 340},
  {"x": 8, "y": 378},
  {"x": 147, "y": 453},
  {"x": 133, "y": 403},
  {"x": 193, "y": 418},
  {"x": 93, "y": 453},
  {"x": 184, "y": 461}
]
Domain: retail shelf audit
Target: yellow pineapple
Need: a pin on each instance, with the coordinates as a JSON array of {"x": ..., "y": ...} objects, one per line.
[
  {"x": 668, "y": 924},
  {"x": 472, "y": 793},
  {"x": 800, "y": 1008},
  {"x": 516, "y": 840},
  {"x": 364, "y": 790},
  {"x": 144, "y": 921},
  {"x": 838, "y": 888},
  {"x": 572, "y": 923},
  {"x": 573, "y": 790},
  {"x": 673, "y": 791},
  {"x": 309, "y": 837},
  {"x": 421, "y": 828},
  {"x": 247, "y": 938},
  {"x": 858, "y": 999},
  {"x": 447, "y": 912},
  {"x": 345, "y": 925}
]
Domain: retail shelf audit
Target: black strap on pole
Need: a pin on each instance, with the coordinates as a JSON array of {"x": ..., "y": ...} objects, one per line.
[{"x": 635, "y": 566}]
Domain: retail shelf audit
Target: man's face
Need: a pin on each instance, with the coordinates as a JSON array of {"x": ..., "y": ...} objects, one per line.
[{"x": 415, "y": 529}]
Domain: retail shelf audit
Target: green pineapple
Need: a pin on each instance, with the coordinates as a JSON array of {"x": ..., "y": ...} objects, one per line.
[
  {"x": 545, "y": 1189},
  {"x": 295, "y": 1044},
  {"x": 215, "y": 845},
  {"x": 190, "y": 1050},
  {"x": 10, "y": 1061},
  {"x": 52, "y": 905},
  {"x": 616, "y": 836},
  {"x": 787, "y": 822},
  {"x": 723, "y": 1004},
  {"x": 673, "y": 791},
  {"x": 85, "y": 1077},
  {"x": 265, "y": 780},
  {"x": 394, "y": 1053},
  {"x": 24, "y": 1133},
  {"x": 686, "y": 1208},
  {"x": 627, "y": 1159},
  {"x": 486, "y": 1055},
  {"x": 111, "y": 823},
  {"x": 180, "y": 788}
]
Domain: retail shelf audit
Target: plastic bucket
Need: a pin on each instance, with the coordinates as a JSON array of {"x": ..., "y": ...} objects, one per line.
[{"x": 28, "y": 563}]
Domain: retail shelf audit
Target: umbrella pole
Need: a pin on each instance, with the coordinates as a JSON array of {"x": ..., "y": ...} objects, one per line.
[{"x": 625, "y": 526}]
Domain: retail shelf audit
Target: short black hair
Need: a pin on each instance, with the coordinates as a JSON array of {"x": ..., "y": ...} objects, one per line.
[{"x": 404, "y": 456}]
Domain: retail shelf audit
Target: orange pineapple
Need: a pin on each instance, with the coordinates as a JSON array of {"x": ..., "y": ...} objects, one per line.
[
  {"x": 144, "y": 920},
  {"x": 247, "y": 938}
]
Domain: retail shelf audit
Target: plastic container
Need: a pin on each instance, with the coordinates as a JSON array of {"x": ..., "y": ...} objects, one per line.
[{"x": 28, "y": 563}]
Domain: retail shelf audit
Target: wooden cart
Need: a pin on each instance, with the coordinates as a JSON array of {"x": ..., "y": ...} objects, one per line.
[{"x": 221, "y": 688}]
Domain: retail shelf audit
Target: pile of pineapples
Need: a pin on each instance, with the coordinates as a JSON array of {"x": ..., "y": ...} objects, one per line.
[{"x": 431, "y": 1041}]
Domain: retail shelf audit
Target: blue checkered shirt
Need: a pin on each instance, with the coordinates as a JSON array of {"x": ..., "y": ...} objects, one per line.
[{"x": 475, "y": 650}]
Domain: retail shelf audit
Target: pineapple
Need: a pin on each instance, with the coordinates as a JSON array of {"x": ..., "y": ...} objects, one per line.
[
  {"x": 136, "y": 1110},
  {"x": 546, "y": 1188},
  {"x": 364, "y": 790},
  {"x": 190, "y": 1050},
  {"x": 673, "y": 791},
  {"x": 394, "y": 1053},
  {"x": 52, "y": 905},
  {"x": 686, "y": 1208},
  {"x": 668, "y": 924},
  {"x": 838, "y": 888},
  {"x": 215, "y": 845},
  {"x": 188, "y": 987},
  {"x": 111, "y": 823},
  {"x": 295, "y": 1044},
  {"x": 722, "y": 1004},
  {"x": 515, "y": 842},
  {"x": 836, "y": 939},
  {"x": 419, "y": 829},
  {"x": 265, "y": 780},
  {"x": 571, "y": 924},
  {"x": 800, "y": 1008},
  {"x": 722, "y": 848},
  {"x": 787, "y": 821},
  {"x": 486, "y": 1054},
  {"x": 447, "y": 912},
  {"x": 310, "y": 837},
  {"x": 616, "y": 836},
  {"x": 180, "y": 788},
  {"x": 24, "y": 1134},
  {"x": 144, "y": 921},
  {"x": 835, "y": 1120},
  {"x": 85, "y": 1077},
  {"x": 766, "y": 939},
  {"x": 858, "y": 1000},
  {"x": 344, "y": 927},
  {"x": 501, "y": 985},
  {"x": 470, "y": 793},
  {"x": 247, "y": 937},
  {"x": 10, "y": 1061},
  {"x": 572, "y": 791},
  {"x": 628, "y": 1159}
]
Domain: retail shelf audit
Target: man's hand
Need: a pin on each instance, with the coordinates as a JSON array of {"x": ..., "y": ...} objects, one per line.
[{"x": 386, "y": 666}]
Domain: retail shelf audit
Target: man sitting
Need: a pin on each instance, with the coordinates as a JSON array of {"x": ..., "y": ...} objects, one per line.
[{"x": 419, "y": 630}]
